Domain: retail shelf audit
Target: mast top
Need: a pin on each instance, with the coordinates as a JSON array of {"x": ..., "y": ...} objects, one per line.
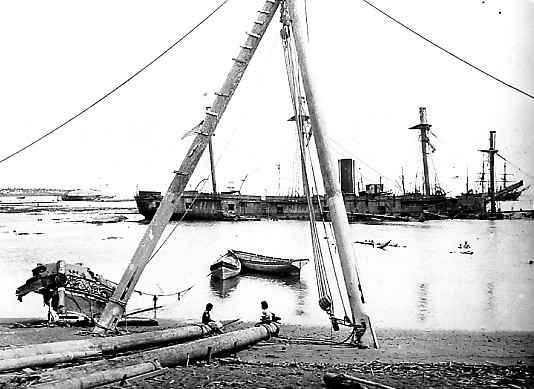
[{"x": 422, "y": 118}]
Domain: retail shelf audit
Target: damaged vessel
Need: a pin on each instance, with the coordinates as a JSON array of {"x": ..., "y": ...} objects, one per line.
[{"x": 73, "y": 292}]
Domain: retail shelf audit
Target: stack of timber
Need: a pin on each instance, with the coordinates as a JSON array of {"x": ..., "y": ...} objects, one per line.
[
  {"x": 51, "y": 353},
  {"x": 151, "y": 361}
]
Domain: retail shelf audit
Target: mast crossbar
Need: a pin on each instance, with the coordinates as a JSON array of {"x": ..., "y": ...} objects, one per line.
[{"x": 115, "y": 308}]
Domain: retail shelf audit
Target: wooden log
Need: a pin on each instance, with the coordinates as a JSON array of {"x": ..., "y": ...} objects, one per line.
[
  {"x": 31, "y": 355},
  {"x": 166, "y": 356},
  {"x": 346, "y": 381},
  {"x": 45, "y": 359},
  {"x": 102, "y": 377}
]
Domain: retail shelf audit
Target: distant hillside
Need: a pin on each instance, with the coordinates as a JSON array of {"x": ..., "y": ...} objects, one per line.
[{"x": 31, "y": 192}]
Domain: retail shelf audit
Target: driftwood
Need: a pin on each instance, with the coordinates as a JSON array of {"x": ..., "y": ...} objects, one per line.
[{"x": 346, "y": 381}]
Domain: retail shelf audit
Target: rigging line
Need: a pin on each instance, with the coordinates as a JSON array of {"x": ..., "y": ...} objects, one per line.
[
  {"x": 188, "y": 209},
  {"x": 250, "y": 100},
  {"x": 450, "y": 148},
  {"x": 517, "y": 167},
  {"x": 295, "y": 88},
  {"x": 448, "y": 52},
  {"x": 117, "y": 87},
  {"x": 326, "y": 233},
  {"x": 370, "y": 167},
  {"x": 306, "y": 18}
]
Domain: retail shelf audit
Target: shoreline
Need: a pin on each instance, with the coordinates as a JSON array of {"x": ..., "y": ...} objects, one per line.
[
  {"x": 301, "y": 355},
  {"x": 395, "y": 345}
]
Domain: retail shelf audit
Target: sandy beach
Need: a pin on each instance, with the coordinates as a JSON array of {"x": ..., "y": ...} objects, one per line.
[{"x": 302, "y": 355}]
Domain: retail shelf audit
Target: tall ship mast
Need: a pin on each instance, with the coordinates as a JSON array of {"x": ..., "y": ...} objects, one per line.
[
  {"x": 117, "y": 303},
  {"x": 359, "y": 319},
  {"x": 424, "y": 128}
]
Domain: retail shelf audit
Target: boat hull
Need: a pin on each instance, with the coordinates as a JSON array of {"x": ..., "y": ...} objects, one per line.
[
  {"x": 360, "y": 207},
  {"x": 256, "y": 263},
  {"x": 225, "y": 267},
  {"x": 72, "y": 291}
]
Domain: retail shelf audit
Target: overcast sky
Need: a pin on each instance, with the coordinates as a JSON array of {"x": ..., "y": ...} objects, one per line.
[{"x": 59, "y": 57}]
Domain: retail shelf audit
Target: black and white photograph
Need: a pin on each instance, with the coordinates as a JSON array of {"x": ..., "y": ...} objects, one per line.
[{"x": 267, "y": 194}]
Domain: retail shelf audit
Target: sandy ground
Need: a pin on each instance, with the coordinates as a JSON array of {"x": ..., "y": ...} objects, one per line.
[{"x": 301, "y": 355}]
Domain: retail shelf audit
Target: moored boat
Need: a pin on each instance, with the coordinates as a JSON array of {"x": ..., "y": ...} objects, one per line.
[
  {"x": 266, "y": 264},
  {"x": 72, "y": 291},
  {"x": 226, "y": 266}
]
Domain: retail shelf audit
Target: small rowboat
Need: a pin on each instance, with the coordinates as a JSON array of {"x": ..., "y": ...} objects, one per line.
[
  {"x": 265, "y": 264},
  {"x": 226, "y": 266}
]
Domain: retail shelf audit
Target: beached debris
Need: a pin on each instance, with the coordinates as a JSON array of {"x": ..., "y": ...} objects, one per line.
[
  {"x": 54, "y": 352},
  {"x": 106, "y": 371},
  {"x": 339, "y": 381}
]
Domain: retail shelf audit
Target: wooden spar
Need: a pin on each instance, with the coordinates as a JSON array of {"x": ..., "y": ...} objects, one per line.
[
  {"x": 46, "y": 359},
  {"x": 102, "y": 377},
  {"x": 424, "y": 128},
  {"x": 117, "y": 303},
  {"x": 166, "y": 357},
  {"x": 333, "y": 194},
  {"x": 212, "y": 166},
  {"x": 50, "y": 353}
]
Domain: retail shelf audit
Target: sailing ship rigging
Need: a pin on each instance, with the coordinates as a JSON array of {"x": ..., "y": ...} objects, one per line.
[
  {"x": 293, "y": 28},
  {"x": 311, "y": 125}
]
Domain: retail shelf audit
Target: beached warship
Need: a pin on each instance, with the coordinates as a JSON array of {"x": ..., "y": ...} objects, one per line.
[{"x": 371, "y": 202}]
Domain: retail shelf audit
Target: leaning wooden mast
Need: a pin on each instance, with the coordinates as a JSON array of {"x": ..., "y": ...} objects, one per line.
[
  {"x": 117, "y": 303},
  {"x": 333, "y": 194}
]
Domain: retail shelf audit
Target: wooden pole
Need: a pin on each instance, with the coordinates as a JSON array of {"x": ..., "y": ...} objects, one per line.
[
  {"x": 101, "y": 377},
  {"x": 212, "y": 166},
  {"x": 46, "y": 359},
  {"x": 338, "y": 212},
  {"x": 90, "y": 374},
  {"x": 49, "y": 353},
  {"x": 117, "y": 303}
]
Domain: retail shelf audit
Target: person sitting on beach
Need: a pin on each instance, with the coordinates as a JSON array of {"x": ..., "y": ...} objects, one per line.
[
  {"x": 215, "y": 326},
  {"x": 266, "y": 315}
]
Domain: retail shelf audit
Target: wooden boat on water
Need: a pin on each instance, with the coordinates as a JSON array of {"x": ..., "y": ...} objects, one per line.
[
  {"x": 72, "y": 291},
  {"x": 265, "y": 264},
  {"x": 226, "y": 266}
]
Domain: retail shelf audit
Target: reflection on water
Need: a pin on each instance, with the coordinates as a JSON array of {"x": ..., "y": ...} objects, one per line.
[
  {"x": 490, "y": 305},
  {"x": 423, "y": 301},
  {"x": 420, "y": 286},
  {"x": 223, "y": 288},
  {"x": 294, "y": 287}
]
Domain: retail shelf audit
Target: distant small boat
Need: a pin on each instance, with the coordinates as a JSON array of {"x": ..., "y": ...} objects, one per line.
[
  {"x": 82, "y": 195},
  {"x": 378, "y": 245},
  {"x": 463, "y": 251},
  {"x": 383, "y": 245},
  {"x": 226, "y": 266},
  {"x": 265, "y": 264}
]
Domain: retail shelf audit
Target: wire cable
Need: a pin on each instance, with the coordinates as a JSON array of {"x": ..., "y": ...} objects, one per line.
[
  {"x": 117, "y": 87},
  {"x": 448, "y": 52},
  {"x": 517, "y": 167}
]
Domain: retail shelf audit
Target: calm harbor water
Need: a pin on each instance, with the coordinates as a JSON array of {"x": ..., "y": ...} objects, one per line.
[{"x": 422, "y": 284}]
